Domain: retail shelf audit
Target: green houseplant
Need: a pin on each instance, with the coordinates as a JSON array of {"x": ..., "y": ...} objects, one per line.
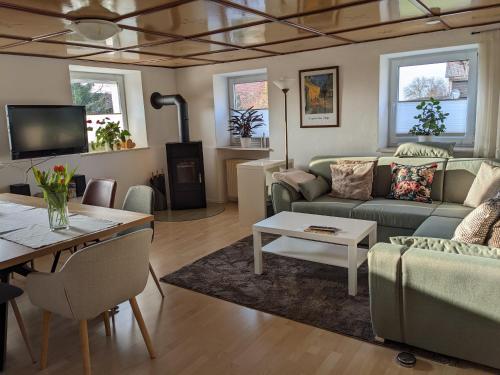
[
  {"x": 109, "y": 136},
  {"x": 430, "y": 120},
  {"x": 54, "y": 185},
  {"x": 243, "y": 124}
]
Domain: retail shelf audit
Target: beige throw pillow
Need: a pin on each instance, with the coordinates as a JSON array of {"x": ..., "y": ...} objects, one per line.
[
  {"x": 485, "y": 185},
  {"x": 352, "y": 180},
  {"x": 293, "y": 177},
  {"x": 494, "y": 236},
  {"x": 477, "y": 225}
]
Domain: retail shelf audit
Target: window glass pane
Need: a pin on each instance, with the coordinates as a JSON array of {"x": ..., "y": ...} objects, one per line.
[
  {"x": 250, "y": 94},
  {"x": 447, "y": 80}
]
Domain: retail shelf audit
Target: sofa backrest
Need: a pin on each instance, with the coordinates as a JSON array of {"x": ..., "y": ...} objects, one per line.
[
  {"x": 459, "y": 175},
  {"x": 382, "y": 185}
]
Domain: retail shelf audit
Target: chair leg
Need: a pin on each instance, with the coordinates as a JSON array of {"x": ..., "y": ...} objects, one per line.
[
  {"x": 84, "y": 342},
  {"x": 22, "y": 328},
  {"x": 157, "y": 282},
  {"x": 54, "y": 263},
  {"x": 105, "y": 318},
  {"x": 45, "y": 338},
  {"x": 142, "y": 326}
]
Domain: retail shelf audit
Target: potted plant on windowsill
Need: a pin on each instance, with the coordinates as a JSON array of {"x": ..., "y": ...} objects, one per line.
[
  {"x": 243, "y": 124},
  {"x": 110, "y": 136},
  {"x": 430, "y": 120}
]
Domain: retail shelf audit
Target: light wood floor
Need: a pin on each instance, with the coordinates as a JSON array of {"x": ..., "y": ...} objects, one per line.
[{"x": 197, "y": 334}]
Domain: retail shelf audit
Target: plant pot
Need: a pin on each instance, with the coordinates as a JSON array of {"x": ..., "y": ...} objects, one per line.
[
  {"x": 107, "y": 147},
  {"x": 57, "y": 208},
  {"x": 246, "y": 142},
  {"x": 425, "y": 138}
]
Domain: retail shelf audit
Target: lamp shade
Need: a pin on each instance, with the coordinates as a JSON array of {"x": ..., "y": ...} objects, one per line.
[
  {"x": 94, "y": 29},
  {"x": 284, "y": 83}
]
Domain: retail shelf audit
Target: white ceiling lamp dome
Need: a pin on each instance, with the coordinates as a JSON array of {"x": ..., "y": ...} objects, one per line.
[{"x": 95, "y": 29}]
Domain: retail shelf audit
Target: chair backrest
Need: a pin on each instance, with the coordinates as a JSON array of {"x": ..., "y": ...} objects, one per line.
[
  {"x": 141, "y": 199},
  {"x": 106, "y": 274},
  {"x": 100, "y": 192}
]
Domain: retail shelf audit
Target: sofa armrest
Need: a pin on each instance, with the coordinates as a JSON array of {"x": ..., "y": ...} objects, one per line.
[
  {"x": 384, "y": 264},
  {"x": 282, "y": 196}
]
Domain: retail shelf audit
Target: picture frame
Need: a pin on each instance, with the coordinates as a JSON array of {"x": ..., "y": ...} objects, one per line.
[{"x": 319, "y": 97}]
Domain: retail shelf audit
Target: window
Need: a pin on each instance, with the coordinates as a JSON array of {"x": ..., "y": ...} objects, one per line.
[
  {"x": 450, "y": 77},
  {"x": 250, "y": 91},
  {"x": 103, "y": 95}
]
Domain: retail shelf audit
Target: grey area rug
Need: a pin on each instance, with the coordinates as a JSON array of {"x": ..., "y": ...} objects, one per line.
[{"x": 307, "y": 292}]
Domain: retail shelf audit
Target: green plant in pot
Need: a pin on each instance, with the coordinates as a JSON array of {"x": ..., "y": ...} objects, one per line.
[
  {"x": 430, "y": 120},
  {"x": 243, "y": 123},
  {"x": 110, "y": 136}
]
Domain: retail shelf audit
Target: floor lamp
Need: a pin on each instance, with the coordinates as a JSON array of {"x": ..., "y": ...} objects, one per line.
[{"x": 284, "y": 84}]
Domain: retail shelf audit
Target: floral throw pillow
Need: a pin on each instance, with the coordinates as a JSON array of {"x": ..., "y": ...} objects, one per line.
[{"x": 412, "y": 183}]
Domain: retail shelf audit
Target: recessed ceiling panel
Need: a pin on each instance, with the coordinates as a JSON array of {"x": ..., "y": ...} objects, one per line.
[
  {"x": 303, "y": 45},
  {"x": 108, "y": 9},
  {"x": 391, "y": 31},
  {"x": 279, "y": 8},
  {"x": 193, "y": 18},
  {"x": 234, "y": 55},
  {"x": 175, "y": 63},
  {"x": 259, "y": 34},
  {"x": 121, "y": 57},
  {"x": 28, "y": 25},
  {"x": 183, "y": 48},
  {"x": 360, "y": 15},
  {"x": 124, "y": 39},
  {"x": 477, "y": 17},
  {"x": 50, "y": 49},
  {"x": 457, "y": 5}
]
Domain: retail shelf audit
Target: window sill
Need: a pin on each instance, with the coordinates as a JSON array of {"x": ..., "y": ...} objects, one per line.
[
  {"x": 238, "y": 148},
  {"x": 114, "y": 151}
]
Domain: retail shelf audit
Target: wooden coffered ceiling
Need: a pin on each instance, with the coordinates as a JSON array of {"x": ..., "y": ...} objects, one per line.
[{"x": 180, "y": 33}]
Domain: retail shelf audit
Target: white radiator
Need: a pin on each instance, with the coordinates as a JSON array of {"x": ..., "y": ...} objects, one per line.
[{"x": 232, "y": 178}]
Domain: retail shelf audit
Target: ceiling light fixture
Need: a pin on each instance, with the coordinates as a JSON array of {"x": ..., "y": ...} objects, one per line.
[
  {"x": 433, "y": 21},
  {"x": 95, "y": 29}
]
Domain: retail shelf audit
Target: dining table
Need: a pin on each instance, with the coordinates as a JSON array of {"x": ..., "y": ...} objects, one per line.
[{"x": 14, "y": 254}]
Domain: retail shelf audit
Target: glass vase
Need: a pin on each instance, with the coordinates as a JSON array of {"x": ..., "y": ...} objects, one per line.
[{"x": 57, "y": 208}]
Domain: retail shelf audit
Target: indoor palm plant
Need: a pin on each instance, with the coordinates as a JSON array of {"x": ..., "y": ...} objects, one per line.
[
  {"x": 430, "y": 120},
  {"x": 243, "y": 124},
  {"x": 54, "y": 185}
]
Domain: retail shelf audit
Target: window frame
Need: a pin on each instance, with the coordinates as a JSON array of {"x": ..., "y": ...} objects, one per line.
[
  {"x": 432, "y": 58},
  {"x": 106, "y": 77},
  {"x": 231, "y": 81}
]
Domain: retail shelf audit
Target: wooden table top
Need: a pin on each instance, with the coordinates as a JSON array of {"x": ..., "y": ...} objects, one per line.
[{"x": 12, "y": 253}]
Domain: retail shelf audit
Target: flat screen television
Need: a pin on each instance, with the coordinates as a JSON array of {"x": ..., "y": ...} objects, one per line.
[{"x": 46, "y": 130}]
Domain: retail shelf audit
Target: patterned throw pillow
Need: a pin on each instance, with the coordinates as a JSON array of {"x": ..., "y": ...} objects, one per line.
[
  {"x": 477, "y": 225},
  {"x": 494, "y": 236},
  {"x": 412, "y": 183},
  {"x": 352, "y": 180}
]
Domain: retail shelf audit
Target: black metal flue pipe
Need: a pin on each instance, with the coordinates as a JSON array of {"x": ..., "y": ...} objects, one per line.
[{"x": 158, "y": 101}]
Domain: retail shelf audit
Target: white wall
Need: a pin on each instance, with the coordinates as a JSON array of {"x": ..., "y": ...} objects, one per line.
[
  {"x": 30, "y": 80},
  {"x": 359, "y": 99}
]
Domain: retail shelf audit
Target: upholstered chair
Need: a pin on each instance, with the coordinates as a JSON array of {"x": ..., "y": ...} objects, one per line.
[
  {"x": 92, "y": 281},
  {"x": 141, "y": 199}
]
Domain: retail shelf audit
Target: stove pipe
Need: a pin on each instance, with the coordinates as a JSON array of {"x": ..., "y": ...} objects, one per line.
[{"x": 158, "y": 101}]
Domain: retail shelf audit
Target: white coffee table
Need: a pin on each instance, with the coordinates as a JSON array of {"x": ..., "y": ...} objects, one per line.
[{"x": 340, "y": 249}]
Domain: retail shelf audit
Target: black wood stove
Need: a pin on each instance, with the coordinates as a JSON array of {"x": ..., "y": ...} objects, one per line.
[{"x": 186, "y": 174}]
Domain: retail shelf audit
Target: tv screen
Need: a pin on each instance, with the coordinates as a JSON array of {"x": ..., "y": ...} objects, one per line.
[{"x": 46, "y": 130}]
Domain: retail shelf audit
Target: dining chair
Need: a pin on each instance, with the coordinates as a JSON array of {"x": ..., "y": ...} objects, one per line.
[
  {"x": 92, "y": 281},
  {"x": 9, "y": 293},
  {"x": 98, "y": 192},
  {"x": 141, "y": 199}
]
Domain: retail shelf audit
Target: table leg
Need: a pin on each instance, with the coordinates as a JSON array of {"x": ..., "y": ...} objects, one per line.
[
  {"x": 352, "y": 269},
  {"x": 3, "y": 327},
  {"x": 257, "y": 251},
  {"x": 372, "y": 238}
]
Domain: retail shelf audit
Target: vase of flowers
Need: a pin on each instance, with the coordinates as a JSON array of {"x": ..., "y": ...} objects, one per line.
[
  {"x": 244, "y": 123},
  {"x": 54, "y": 185},
  {"x": 430, "y": 120}
]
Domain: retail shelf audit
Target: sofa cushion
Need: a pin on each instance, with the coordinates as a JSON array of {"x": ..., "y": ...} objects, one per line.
[
  {"x": 352, "y": 179},
  {"x": 485, "y": 185},
  {"x": 412, "y": 183},
  {"x": 448, "y": 209},
  {"x": 382, "y": 183},
  {"x": 438, "y": 227},
  {"x": 426, "y": 149},
  {"x": 320, "y": 165},
  {"x": 458, "y": 177},
  {"x": 326, "y": 205},
  {"x": 394, "y": 213},
  {"x": 446, "y": 246},
  {"x": 313, "y": 189}
]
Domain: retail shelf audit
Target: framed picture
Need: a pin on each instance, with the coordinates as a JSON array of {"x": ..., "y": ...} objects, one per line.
[{"x": 319, "y": 97}]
